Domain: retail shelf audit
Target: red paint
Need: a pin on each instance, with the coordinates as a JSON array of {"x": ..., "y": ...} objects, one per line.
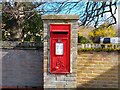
[{"x": 60, "y": 62}]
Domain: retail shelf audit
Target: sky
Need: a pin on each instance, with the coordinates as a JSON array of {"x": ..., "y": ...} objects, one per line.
[
  {"x": 79, "y": 9},
  {"x": 118, "y": 16}
]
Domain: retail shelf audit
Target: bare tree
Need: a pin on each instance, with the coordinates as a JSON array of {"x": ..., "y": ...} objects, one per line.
[
  {"x": 90, "y": 12},
  {"x": 95, "y": 11}
]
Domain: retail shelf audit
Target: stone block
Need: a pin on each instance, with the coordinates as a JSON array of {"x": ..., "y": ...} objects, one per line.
[
  {"x": 70, "y": 78},
  {"x": 60, "y": 77},
  {"x": 70, "y": 86}
]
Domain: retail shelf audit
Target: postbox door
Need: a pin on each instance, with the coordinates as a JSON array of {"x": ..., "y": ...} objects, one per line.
[{"x": 59, "y": 56}]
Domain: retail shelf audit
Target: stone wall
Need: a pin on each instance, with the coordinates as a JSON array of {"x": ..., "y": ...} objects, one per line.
[
  {"x": 64, "y": 80},
  {"x": 22, "y": 67},
  {"x": 97, "y": 69}
]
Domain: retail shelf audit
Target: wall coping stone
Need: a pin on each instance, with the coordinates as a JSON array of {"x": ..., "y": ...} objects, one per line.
[
  {"x": 60, "y": 17},
  {"x": 19, "y": 44}
]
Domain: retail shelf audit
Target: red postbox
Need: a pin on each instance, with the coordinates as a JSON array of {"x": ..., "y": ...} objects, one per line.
[{"x": 60, "y": 48}]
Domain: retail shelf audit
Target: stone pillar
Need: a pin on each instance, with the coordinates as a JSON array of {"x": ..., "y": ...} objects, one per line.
[{"x": 61, "y": 80}]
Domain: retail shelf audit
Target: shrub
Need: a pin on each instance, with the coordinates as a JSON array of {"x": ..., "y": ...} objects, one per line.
[
  {"x": 102, "y": 31},
  {"x": 83, "y": 40}
]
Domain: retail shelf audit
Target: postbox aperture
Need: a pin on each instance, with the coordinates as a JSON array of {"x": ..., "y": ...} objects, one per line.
[{"x": 60, "y": 48}]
